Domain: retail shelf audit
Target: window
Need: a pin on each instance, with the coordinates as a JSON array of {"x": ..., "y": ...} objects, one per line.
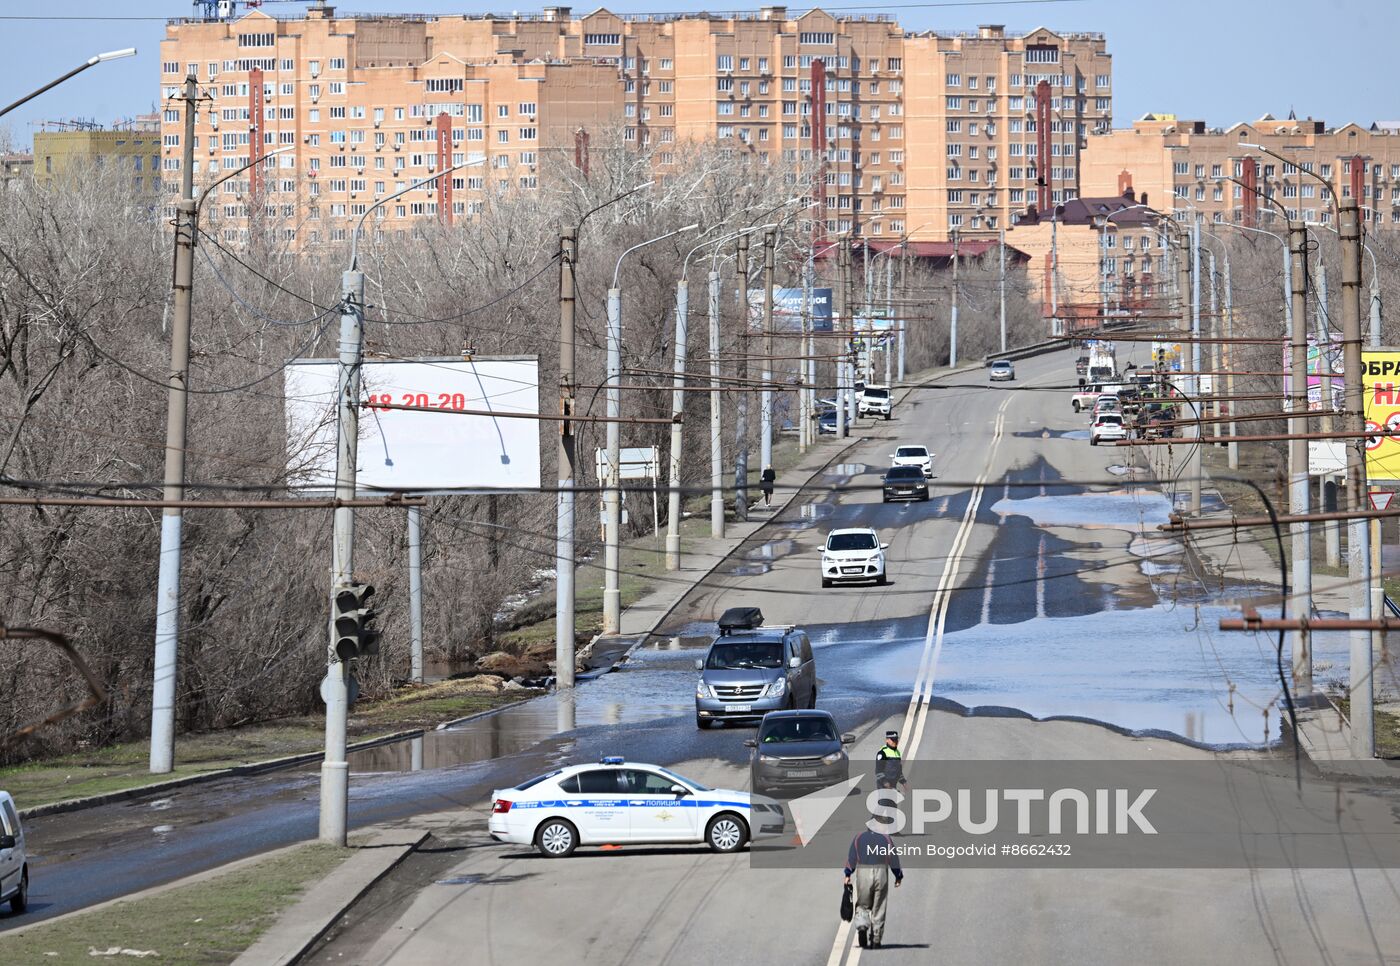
[
  {"x": 954, "y": 80},
  {"x": 528, "y": 134},
  {"x": 1042, "y": 54},
  {"x": 337, "y": 63},
  {"x": 257, "y": 40},
  {"x": 815, "y": 37},
  {"x": 724, "y": 62},
  {"x": 608, "y": 40},
  {"x": 955, "y": 103}
]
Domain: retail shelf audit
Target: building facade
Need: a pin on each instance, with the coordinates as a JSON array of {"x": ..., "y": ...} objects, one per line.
[
  {"x": 16, "y": 170},
  {"x": 1183, "y": 165},
  {"x": 921, "y": 133},
  {"x": 134, "y": 150}
]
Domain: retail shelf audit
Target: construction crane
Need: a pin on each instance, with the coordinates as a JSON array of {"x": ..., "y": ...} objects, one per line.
[{"x": 217, "y": 10}]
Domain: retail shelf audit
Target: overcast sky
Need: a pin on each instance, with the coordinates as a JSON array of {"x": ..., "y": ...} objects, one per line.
[{"x": 1219, "y": 60}]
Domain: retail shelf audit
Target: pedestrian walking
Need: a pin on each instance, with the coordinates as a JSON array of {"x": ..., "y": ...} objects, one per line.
[
  {"x": 872, "y": 857},
  {"x": 765, "y": 483}
]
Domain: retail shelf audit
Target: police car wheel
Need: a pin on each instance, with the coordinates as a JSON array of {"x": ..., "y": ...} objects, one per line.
[
  {"x": 726, "y": 832},
  {"x": 556, "y": 839}
]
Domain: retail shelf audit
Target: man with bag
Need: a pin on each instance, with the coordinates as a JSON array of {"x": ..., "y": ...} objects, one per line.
[{"x": 873, "y": 856}]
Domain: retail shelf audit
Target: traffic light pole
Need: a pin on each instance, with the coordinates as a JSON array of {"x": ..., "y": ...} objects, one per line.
[{"x": 335, "y": 689}]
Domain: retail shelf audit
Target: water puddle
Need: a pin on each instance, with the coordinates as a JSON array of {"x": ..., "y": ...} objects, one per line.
[
  {"x": 760, "y": 560},
  {"x": 1118, "y": 510}
]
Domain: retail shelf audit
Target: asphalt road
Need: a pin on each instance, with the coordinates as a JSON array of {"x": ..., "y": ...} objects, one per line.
[
  {"x": 1019, "y": 591},
  {"x": 961, "y": 564}
]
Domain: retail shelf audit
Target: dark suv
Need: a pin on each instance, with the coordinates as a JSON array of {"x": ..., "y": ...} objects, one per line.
[{"x": 798, "y": 751}]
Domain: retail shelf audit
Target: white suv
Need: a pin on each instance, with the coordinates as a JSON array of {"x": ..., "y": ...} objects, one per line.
[
  {"x": 913, "y": 456},
  {"x": 875, "y": 401},
  {"x": 14, "y": 868},
  {"x": 853, "y": 554}
]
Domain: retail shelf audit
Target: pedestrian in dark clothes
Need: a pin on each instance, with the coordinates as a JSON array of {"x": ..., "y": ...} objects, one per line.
[{"x": 766, "y": 485}]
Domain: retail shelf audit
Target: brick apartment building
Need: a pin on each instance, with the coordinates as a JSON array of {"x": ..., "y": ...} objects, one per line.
[
  {"x": 924, "y": 132},
  {"x": 1178, "y": 163}
]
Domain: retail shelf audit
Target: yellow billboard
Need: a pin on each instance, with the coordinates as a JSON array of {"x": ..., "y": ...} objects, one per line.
[{"x": 1382, "y": 398}]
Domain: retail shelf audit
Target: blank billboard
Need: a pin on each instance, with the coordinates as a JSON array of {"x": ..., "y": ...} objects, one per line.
[{"x": 407, "y": 450}]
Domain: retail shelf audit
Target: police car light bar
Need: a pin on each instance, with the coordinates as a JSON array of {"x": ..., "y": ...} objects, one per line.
[{"x": 611, "y": 760}]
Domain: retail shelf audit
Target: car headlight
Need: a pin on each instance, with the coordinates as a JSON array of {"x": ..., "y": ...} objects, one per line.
[
  {"x": 767, "y": 759},
  {"x": 777, "y": 689},
  {"x": 833, "y": 758},
  {"x": 702, "y": 690}
]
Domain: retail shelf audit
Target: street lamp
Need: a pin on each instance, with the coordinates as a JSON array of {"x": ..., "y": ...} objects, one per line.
[
  {"x": 612, "y": 496},
  {"x": 1102, "y": 221},
  {"x": 98, "y": 59}
]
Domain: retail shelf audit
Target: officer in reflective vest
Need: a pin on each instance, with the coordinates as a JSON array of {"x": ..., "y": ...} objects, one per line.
[{"x": 889, "y": 765}]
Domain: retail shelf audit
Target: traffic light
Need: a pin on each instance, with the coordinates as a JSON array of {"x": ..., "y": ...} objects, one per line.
[{"x": 354, "y": 637}]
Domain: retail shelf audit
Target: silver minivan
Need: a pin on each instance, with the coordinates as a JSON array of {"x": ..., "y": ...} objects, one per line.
[
  {"x": 14, "y": 867},
  {"x": 751, "y": 669}
]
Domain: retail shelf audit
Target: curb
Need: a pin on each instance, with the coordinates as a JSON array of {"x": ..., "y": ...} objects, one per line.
[
  {"x": 306, "y": 922},
  {"x": 235, "y": 771}
]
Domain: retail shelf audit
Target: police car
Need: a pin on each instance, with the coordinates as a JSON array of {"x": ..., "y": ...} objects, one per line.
[{"x": 617, "y": 801}]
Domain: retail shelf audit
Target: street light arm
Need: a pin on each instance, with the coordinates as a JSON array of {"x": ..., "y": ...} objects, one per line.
[
  {"x": 355, "y": 238},
  {"x": 721, "y": 239},
  {"x": 1278, "y": 157},
  {"x": 203, "y": 195},
  {"x": 650, "y": 241},
  {"x": 611, "y": 201},
  {"x": 1269, "y": 198},
  {"x": 110, "y": 55}
]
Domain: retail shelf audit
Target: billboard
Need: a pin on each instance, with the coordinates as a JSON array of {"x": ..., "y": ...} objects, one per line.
[
  {"x": 1382, "y": 407},
  {"x": 412, "y": 451},
  {"x": 1332, "y": 358},
  {"x": 787, "y": 309}
]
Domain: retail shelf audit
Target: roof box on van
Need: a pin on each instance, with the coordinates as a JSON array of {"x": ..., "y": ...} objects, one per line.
[{"x": 740, "y": 619}]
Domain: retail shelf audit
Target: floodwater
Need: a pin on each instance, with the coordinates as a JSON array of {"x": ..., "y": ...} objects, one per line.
[
  {"x": 1120, "y": 510},
  {"x": 1156, "y": 670}
]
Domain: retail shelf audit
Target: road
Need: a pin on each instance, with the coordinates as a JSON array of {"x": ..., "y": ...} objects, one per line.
[
  {"x": 1048, "y": 616},
  {"x": 1024, "y": 620}
]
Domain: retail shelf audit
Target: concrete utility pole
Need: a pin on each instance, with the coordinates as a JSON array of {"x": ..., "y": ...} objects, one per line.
[
  {"x": 1001, "y": 293},
  {"x": 1331, "y": 529},
  {"x": 1195, "y": 470},
  {"x": 1232, "y": 449},
  {"x": 1215, "y": 351},
  {"x": 766, "y": 417},
  {"x": 162, "y": 758},
  {"x": 903, "y": 301},
  {"x": 852, "y": 361},
  {"x": 741, "y": 418},
  {"x": 1363, "y": 738},
  {"x": 612, "y": 496},
  {"x": 804, "y": 395},
  {"x": 889, "y": 315},
  {"x": 839, "y": 323},
  {"x": 716, "y": 427},
  {"x": 1299, "y": 484},
  {"x": 953, "y": 315},
  {"x": 673, "y": 502},
  {"x": 564, "y": 627},
  {"x": 335, "y": 689},
  {"x": 415, "y": 595}
]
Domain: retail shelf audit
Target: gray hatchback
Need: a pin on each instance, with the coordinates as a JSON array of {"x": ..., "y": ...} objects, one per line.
[
  {"x": 796, "y": 752},
  {"x": 751, "y": 670}
]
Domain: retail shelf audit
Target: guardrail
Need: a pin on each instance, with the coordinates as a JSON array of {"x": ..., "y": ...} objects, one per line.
[{"x": 1026, "y": 351}]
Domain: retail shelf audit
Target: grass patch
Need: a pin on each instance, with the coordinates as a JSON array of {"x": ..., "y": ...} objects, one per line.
[
  {"x": 124, "y": 766},
  {"x": 1387, "y": 728},
  {"x": 211, "y": 921}
]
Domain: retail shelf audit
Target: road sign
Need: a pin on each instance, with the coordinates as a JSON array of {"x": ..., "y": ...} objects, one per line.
[
  {"x": 634, "y": 463},
  {"x": 1380, "y": 499},
  {"x": 1327, "y": 457}
]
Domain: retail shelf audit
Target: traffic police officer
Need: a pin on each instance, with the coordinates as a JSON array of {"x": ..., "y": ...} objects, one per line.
[{"x": 889, "y": 765}]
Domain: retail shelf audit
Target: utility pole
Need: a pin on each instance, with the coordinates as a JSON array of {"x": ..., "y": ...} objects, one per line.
[
  {"x": 843, "y": 267},
  {"x": 673, "y": 503},
  {"x": 1362, "y": 688},
  {"x": 1299, "y": 486},
  {"x": 612, "y": 496},
  {"x": 1001, "y": 294},
  {"x": 766, "y": 418},
  {"x": 889, "y": 316},
  {"x": 853, "y": 356},
  {"x": 1232, "y": 449},
  {"x": 1332, "y": 529},
  {"x": 1215, "y": 352},
  {"x": 167, "y": 648},
  {"x": 804, "y": 399},
  {"x": 953, "y": 317},
  {"x": 415, "y": 594},
  {"x": 741, "y": 453},
  {"x": 564, "y": 627},
  {"x": 716, "y": 428},
  {"x": 335, "y": 689},
  {"x": 1195, "y": 470},
  {"x": 903, "y": 300}
]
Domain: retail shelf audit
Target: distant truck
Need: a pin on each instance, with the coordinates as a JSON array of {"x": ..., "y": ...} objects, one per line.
[{"x": 1103, "y": 365}]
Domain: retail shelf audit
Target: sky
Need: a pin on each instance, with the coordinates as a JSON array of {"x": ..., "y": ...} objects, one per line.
[{"x": 1220, "y": 61}]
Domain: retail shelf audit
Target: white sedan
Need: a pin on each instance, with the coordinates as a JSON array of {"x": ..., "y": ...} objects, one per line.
[
  {"x": 1107, "y": 426},
  {"x": 913, "y": 456},
  {"x": 617, "y": 801}
]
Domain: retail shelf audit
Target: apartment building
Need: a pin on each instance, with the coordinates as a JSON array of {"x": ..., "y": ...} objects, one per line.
[
  {"x": 1183, "y": 165},
  {"x": 133, "y": 150},
  {"x": 922, "y": 133}
]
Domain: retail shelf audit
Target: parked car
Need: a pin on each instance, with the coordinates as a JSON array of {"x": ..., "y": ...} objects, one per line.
[
  {"x": 14, "y": 863},
  {"x": 797, "y": 752},
  {"x": 876, "y": 401},
  {"x": 1107, "y": 426},
  {"x": 1001, "y": 371},
  {"x": 904, "y": 483},
  {"x": 751, "y": 669},
  {"x": 826, "y": 423},
  {"x": 853, "y": 554},
  {"x": 913, "y": 456}
]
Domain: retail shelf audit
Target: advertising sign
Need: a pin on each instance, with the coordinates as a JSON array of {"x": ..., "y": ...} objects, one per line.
[
  {"x": 1382, "y": 407},
  {"x": 446, "y": 445},
  {"x": 787, "y": 309}
]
